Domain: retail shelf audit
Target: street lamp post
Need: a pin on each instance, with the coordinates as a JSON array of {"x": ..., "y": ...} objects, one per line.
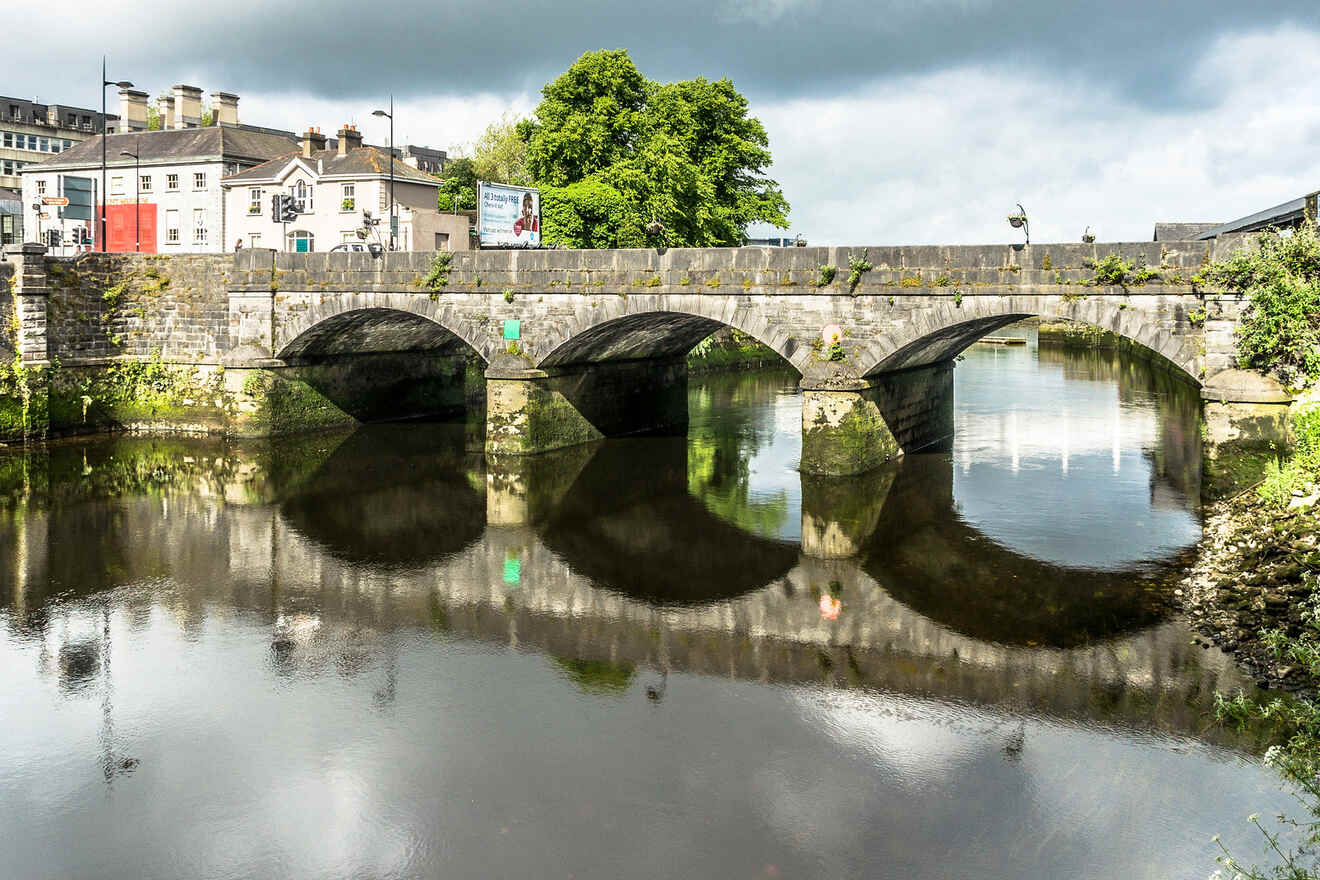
[
  {"x": 123, "y": 84},
  {"x": 393, "y": 222},
  {"x": 137, "y": 193}
]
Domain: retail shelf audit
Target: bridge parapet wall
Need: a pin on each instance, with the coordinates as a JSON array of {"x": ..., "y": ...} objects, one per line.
[{"x": 108, "y": 305}]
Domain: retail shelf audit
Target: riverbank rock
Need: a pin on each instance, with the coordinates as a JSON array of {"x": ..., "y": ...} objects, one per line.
[{"x": 1256, "y": 572}]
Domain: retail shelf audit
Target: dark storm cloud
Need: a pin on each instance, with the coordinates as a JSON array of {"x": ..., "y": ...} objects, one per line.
[{"x": 771, "y": 48}]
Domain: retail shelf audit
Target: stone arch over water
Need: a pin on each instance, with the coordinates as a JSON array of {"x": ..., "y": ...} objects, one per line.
[
  {"x": 938, "y": 333},
  {"x": 345, "y": 324},
  {"x": 640, "y": 327}
]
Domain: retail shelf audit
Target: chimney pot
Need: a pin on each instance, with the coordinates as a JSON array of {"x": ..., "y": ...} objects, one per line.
[
  {"x": 312, "y": 141},
  {"x": 349, "y": 139}
]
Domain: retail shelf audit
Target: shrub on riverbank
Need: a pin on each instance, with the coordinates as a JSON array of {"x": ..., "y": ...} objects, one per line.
[{"x": 1280, "y": 332}]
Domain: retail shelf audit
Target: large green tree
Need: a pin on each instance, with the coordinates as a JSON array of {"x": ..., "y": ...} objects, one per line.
[
  {"x": 459, "y": 185},
  {"x": 614, "y": 152}
]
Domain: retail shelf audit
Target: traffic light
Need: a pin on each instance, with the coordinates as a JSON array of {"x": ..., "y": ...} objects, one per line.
[{"x": 282, "y": 208}]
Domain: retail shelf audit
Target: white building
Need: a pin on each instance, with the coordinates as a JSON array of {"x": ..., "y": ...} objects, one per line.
[
  {"x": 172, "y": 203},
  {"x": 337, "y": 191}
]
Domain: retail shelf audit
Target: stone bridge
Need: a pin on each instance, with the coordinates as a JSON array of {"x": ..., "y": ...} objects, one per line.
[{"x": 576, "y": 345}]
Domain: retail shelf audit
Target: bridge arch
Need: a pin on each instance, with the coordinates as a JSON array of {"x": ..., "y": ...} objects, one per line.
[
  {"x": 639, "y": 327},
  {"x": 938, "y": 333},
  {"x": 345, "y": 324}
]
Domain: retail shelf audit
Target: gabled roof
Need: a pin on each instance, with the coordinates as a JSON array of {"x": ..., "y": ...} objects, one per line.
[
  {"x": 212, "y": 143},
  {"x": 358, "y": 163}
]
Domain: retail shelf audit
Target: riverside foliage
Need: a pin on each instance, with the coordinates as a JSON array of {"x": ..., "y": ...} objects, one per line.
[{"x": 1280, "y": 332}]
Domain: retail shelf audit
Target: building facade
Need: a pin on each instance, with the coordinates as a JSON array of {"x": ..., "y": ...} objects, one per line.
[
  {"x": 341, "y": 195},
  {"x": 163, "y": 187},
  {"x": 31, "y": 132}
]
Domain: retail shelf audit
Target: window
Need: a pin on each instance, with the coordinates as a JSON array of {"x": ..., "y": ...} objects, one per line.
[
  {"x": 43, "y": 144},
  {"x": 254, "y": 240},
  {"x": 199, "y": 226},
  {"x": 347, "y": 202},
  {"x": 87, "y": 122},
  {"x": 68, "y": 144},
  {"x": 41, "y": 187},
  {"x": 145, "y": 183},
  {"x": 254, "y": 200},
  {"x": 6, "y": 166},
  {"x": 8, "y": 139},
  {"x": 54, "y": 145},
  {"x": 301, "y": 241},
  {"x": 117, "y": 186},
  {"x": 442, "y": 241},
  {"x": 7, "y": 234},
  {"x": 199, "y": 180},
  {"x": 171, "y": 227},
  {"x": 303, "y": 197},
  {"x": 73, "y": 119},
  {"x": 172, "y": 182}
]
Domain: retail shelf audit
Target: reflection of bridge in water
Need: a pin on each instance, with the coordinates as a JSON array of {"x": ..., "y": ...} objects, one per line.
[{"x": 564, "y": 555}]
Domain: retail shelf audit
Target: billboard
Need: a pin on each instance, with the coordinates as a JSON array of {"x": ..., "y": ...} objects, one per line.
[{"x": 508, "y": 216}]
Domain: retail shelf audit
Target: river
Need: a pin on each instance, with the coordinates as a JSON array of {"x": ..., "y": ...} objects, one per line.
[{"x": 374, "y": 655}]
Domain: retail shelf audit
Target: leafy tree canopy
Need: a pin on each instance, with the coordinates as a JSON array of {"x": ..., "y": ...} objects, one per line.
[
  {"x": 500, "y": 154},
  {"x": 459, "y": 183},
  {"x": 614, "y": 151}
]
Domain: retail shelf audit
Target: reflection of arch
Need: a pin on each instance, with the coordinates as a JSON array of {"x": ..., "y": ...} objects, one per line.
[
  {"x": 927, "y": 557},
  {"x": 629, "y": 524},
  {"x": 660, "y": 326},
  {"x": 344, "y": 324},
  {"x": 940, "y": 332},
  {"x": 403, "y": 502}
]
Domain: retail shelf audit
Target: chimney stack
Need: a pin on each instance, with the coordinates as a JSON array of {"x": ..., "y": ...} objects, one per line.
[
  {"x": 132, "y": 110},
  {"x": 187, "y": 106},
  {"x": 349, "y": 139},
  {"x": 312, "y": 141},
  {"x": 224, "y": 106},
  {"x": 166, "y": 112}
]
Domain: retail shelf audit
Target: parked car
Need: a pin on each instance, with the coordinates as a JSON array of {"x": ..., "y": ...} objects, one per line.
[{"x": 357, "y": 247}]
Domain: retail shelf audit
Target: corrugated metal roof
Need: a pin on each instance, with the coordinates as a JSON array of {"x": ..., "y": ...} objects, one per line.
[{"x": 1280, "y": 215}]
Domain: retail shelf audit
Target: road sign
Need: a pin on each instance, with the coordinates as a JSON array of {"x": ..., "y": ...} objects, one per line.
[{"x": 61, "y": 201}]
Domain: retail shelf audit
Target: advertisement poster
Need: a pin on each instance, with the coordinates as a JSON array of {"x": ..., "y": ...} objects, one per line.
[{"x": 508, "y": 216}]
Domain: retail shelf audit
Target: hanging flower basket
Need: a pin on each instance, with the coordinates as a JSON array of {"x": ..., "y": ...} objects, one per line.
[{"x": 1017, "y": 220}]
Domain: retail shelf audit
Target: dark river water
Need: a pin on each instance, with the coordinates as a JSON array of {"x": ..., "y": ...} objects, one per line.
[{"x": 373, "y": 655}]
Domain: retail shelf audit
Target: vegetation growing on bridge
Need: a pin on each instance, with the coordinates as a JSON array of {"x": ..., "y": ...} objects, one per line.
[
  {"x": 438, "y": 276},
  {"x": 1115, "y": 271},
  {"x": 1280, "y": 332},
  {"x": 857, "y": 267}
]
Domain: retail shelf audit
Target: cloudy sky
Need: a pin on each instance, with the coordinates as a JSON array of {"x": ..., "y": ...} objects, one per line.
[{"x": 891, "y": 121}]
